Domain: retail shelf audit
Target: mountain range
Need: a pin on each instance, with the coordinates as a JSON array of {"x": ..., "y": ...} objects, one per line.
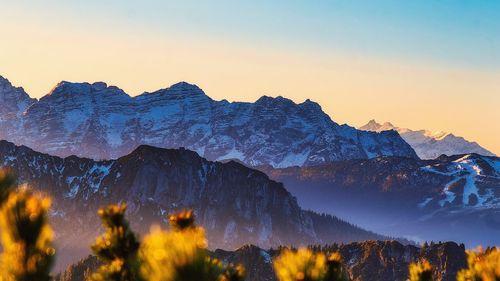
[
  {"x": 102, "y": 122},
  {"x": 450, "y": 198},
  {"x": 266, "y": 173},
  {"x": 367, "y": 261},
  {"x": 236, "y": 205},
  {"x": 430, "y": 145}
]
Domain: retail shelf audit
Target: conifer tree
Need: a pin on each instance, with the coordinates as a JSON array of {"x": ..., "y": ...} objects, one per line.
[
  {"x": 117, "y": 247},
  {"x": 28, "y": 254}
]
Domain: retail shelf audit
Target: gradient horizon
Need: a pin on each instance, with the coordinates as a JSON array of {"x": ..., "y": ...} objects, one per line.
[{"x": 418, "y": 64}]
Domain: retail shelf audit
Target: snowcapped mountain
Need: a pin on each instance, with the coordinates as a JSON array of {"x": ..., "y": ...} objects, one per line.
[
  {"x": 102, "y": 122},
  {"x": 236, "y": 205},
  {"x": 429, "y": 145},
  {"x": 450, "y": 198}
]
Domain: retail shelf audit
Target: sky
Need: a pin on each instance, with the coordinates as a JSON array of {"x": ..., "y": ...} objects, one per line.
[{"x": 432, "y": 64}]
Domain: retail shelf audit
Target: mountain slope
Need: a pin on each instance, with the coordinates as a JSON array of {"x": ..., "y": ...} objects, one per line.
[
  {"x": 449, "y": 198},
  {"x": 235, "y": 204},
  {"x": 429, "y": 145},
  {"x": 103, "y": 122}
]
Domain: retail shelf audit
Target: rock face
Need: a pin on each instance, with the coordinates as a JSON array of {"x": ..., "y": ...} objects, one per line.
[
  {"x": 235, "y": 204},
  {"x": 430, "y": 145},
  {"x": 450, "y": 198},
  {"x": 103, "y": 122},
  {"x": 14, "y": 101},
  {"x": 363, "y": 261}
]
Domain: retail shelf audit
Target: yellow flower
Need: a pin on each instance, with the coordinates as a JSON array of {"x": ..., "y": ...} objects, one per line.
[
  {"x": 482, "y": 265},
  {"x": 26, "y": 237},
  {"x": 182, "y": 220},
  {"x": 163, "y": 253},
  {"x": 421, "y": 271},
  {"x": 300, "y": 265}
]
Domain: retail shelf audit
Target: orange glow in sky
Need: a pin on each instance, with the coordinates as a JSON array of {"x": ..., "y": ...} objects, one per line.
[{"x": 37, "y": 52}]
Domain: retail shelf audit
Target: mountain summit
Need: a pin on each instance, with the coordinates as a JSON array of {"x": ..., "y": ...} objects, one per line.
[
  {"x": 429, "y": 145},
  {"x": 102, "y": 122}
]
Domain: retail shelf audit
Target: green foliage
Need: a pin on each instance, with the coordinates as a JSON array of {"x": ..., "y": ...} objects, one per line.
[
  {"x": 421, "y": 271},
  {"x": 26, "y": 236},
  {"x": 118, "y": 247}
]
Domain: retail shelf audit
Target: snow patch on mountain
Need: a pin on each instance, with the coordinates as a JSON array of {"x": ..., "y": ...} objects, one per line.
[
  {"x": 470, "y": 169},
  {"x": 450, "y": 196}
]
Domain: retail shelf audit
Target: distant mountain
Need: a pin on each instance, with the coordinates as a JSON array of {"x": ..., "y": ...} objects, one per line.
[
  {"x": 103, "y": 122},
  {"x": 363, "y": 261},
  {"x": 235, "y": 204},
  {"x": 451, "y": 198},
  {"x": 429, "y": 145}
]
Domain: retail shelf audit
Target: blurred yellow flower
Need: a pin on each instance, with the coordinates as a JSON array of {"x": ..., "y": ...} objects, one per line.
[
  {"x": 300, "y": 265},
  {"x": 26, "y": 237},
  {"x": 163, "y": 253},
  {"x": 482, "y": 266},
  {"x": 421, "y": 271}
]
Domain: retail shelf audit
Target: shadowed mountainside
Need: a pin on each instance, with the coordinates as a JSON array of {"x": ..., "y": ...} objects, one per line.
[{"x": 236, "y": 205}]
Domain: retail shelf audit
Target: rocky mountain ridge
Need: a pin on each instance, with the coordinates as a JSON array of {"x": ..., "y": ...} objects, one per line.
[
  {"x": 236, "y": 205},
  {"x": 103, "y": 122},
  {"x": 363, "y": 261}
]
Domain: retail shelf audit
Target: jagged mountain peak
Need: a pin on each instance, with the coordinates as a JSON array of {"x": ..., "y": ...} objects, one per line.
[
  {"x": 373, "y": 125},
  {"x": 269, "y": 100},
  {"x": 430, "y": 144},
  {"x": 6, "y": 87},
  {"x": 4, "y": 81},
  {"x": 180, "y": 89},
  {"x": 281, "y": 100},
  {"x": 151, "y": 152},
  {"x": 14, "y": 101},
  {"x": 66, "y": 88},
  {"x": 184, "y": 86}
]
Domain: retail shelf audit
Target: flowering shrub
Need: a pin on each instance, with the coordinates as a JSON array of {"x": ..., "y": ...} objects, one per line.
[
  {"x": 482, "y": 266},
  {"x": 421, "y": 271},
  {"x": 180, "y": 254},
  {"x": 28, "y": 253},
  {"x": 304, "y": 265},
  {"x": 118, "y": 247}
]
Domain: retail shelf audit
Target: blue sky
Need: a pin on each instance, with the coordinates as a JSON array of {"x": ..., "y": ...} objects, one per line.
[
  {"x": 419, "y": 64},
  {"x": 456, "y": 32}
]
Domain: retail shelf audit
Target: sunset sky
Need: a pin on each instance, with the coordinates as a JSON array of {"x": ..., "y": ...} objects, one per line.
[{"x": 418, "y": 64}]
